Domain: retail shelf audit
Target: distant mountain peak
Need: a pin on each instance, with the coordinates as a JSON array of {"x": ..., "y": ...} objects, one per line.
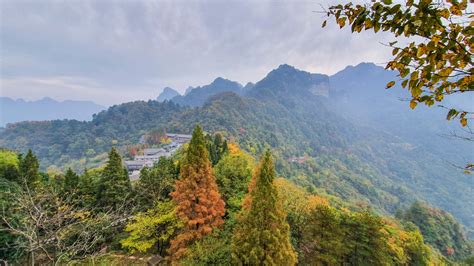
[
  {"x": 48, "y": 100},
  {"x": 364, "y": 66},
  {"x": 45, "y": 109},
  {"x": 286, "y": 67},
  {"x": 285, "y": 70},
  {"x": 198, "y": 96},
  {"x": 168, "y": 89},
  {"x": 287, "y": 81},
  {"x": 167, "y": 94},
  {"x": 219, "y": 81}
]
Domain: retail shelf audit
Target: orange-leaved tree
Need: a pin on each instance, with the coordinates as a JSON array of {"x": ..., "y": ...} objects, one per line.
[{"x": 198, "y": 202}]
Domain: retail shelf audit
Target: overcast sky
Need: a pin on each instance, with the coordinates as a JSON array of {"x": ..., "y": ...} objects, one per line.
[{"x": 116, "y": 51}]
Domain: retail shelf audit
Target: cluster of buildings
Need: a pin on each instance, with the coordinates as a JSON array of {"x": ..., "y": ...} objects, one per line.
[{"x": 152, "y": 155}]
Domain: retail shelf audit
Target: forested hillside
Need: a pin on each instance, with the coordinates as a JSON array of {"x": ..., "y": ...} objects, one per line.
[
  {"x": 298, "y": 115},
  {"x": 202, "y": 206}
]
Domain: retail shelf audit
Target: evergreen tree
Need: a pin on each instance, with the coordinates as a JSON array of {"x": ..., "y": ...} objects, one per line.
[
  {"x": 87, "y": 188},
  {"x": 367, "y": 240},
  {"x": 262, "y": 236},
  {"x": 29, "y": 170},
  {"x": 157, "y": 183},
  {"x": 217, "y": 147},
  {"x": 322, "y": 237},
  {"x": 198, "y": 202},
  {"x": 71, "y": 181},
  {"x": 114, "y": 184}
]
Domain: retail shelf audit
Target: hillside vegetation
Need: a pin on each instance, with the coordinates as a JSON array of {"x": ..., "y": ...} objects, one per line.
[
  {"x": 218, "y": 213},
  {"x": 387, "y": 160}
]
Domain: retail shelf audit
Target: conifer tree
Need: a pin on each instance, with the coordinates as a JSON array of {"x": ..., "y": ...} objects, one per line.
[
  {"x": 114, "y": 184},
  {"x": 217, "y": 147},
  {"x": 262, "y": 235},
  {"x": 71, "y": 181},
  {"x": 366, "y": 239},
  {"x": 29, "y": 170},
  {"x": 198, "y": 202},
  {"x": 87, "y": 189}
]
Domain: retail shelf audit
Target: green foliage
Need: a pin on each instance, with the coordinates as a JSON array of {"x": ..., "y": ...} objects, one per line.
[
  {"x": 345, "y": 160},
  {"x": 87, "y": 188},
  {"x": 9, "y": 240},
  {"x": 366, "y": 240},
  {"x": 71, "y": 182},
  {"x": 417, "y": 251},
  {"x": 213, "y": 249},
  {"x": 29, "y": 170},
  {"x": 157, "y": 182},
  {"x": 233, "y": 172},
  {"x": 9, "y": 163},
  {"x": 61, "y": 141},
  {"x": 216, "y": 146},
  {"x": 45, "y": 223},
  {"x": 151, "y": 231},
  {"x": 438, "y": 62},
  {"x": 322, "y": 239},
  {"x": 197, "y": 154},
  {"x": 262, "y": 235},
  {"x": 114, "y": 185},
  {"x": 440, "y": 230}
]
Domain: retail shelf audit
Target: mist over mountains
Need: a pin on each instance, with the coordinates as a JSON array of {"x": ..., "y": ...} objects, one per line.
[
  {"x": 12, "y": 111},
  {"x": 362, "y": 143}
]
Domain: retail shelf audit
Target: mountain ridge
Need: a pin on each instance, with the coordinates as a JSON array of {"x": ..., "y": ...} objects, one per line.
[
  {"x": 167, "y": 94},
  {"x": 13, "y": 111},
  {"x": 355, "y": 161}
]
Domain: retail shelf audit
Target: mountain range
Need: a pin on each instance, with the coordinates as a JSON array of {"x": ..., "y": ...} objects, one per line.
[
  {"x": 167, "y": 94},
  {"x": 360, "y": 142},
  {"x": 12, "y": 111}
]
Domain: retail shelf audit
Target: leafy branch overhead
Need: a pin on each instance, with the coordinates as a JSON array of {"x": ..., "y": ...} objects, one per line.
[{"x": 437, "y": 61}]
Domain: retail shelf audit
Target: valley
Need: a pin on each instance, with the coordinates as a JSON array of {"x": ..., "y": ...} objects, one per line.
[{"x": 391, "y": 158}]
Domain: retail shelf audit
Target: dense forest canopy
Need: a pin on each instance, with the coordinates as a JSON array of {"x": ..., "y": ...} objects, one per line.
[
  {"x": 368, "y": 149},
  {"x": 297, "y": 168},
  {"x": 221, "y": 214}
]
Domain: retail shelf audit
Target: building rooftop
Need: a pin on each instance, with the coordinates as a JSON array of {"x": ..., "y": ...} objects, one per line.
[{"x": 173, "y": 135}]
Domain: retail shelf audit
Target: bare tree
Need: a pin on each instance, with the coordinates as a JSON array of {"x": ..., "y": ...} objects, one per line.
[{"x": 51, "y": 229}]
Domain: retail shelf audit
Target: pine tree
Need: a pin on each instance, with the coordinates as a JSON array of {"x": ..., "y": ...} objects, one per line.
[
  {"x": 322, "y": 237},
  {"x": 87, "y": 189},
  {"x": 199, "y": 204},
  {"x": 71, "y": 181},
  {"x": 262, "y": 235},
  {"x": 217, "y": 147},
  {"x": 366, "y": 239},
  {"x": 114, "y": 184},
  {"x": 29, "y": 170}
]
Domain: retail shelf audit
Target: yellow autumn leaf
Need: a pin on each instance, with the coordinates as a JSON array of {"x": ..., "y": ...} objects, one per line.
[
  {"x": 455, "y": 10},
  {"x": 390, "y": 84},
  {"x": 436, "y": 39},
  {"x": 420, "y": 51},
  {"x": 413, "y": 104},
  {"x": 464, "y": 122}
]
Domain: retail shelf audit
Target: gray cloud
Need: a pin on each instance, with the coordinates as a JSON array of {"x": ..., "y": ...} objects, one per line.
[{"x": 128, "y": 50}]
